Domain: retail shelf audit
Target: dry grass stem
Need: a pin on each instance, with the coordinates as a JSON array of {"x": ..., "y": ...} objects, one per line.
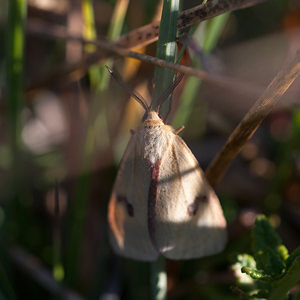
[
  {"x": 110, "y": 47},
  {"x": 136, "y": 38},
  {"x": 253, "y": 119}
]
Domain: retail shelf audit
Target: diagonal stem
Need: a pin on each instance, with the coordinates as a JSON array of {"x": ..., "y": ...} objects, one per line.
[
  {"x": 145, "y": 35},
  {"x": 253, "y": 119}
]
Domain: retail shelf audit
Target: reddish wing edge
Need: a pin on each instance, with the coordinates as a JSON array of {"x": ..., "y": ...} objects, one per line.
[{"x": 129, "y": 235}]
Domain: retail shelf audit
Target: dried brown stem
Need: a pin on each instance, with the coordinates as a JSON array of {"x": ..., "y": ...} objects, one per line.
[
  {"x": 253, "y": 119},
  {"x": 149, "y": 33},
  {"x": 144, "y": 36},
  {"x": 109, "y": 47}
]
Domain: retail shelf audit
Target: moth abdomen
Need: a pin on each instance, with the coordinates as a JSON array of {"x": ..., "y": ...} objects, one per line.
[{"x": 129, "y": 207}]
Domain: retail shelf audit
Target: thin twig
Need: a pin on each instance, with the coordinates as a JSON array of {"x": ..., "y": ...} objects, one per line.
[
  {"x": 144, "y": 36},
  {"x": 110, "y": 47},
  {"x": 253, "y": 119},
  {"x": 149, "y": 33}
]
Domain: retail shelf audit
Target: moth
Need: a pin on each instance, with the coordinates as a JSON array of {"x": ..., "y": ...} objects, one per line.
[{"x": 161, "y": 202}]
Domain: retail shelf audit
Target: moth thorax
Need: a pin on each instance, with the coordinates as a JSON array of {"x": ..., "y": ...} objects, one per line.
[{"x": 156, "y": 142}]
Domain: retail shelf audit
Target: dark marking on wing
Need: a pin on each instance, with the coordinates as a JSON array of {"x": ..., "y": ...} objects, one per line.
[
  {"x": 129, "y": 207},
  {"x": 192, "y": 208},
  {"x": 152, "y": 196}
]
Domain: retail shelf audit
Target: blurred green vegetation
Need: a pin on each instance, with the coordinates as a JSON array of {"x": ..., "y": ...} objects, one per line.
[{"x": 274, "y": 272}]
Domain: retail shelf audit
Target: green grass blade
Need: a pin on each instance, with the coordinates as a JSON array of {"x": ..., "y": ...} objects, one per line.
[
  {"x": 214, "y": 28},
  {"x": 166, "y": 49},
  {"x": 97, "y": 127},
  {"x": 14, "y": 71},
  {"x": 89, "y": 33},
  {"x": 212, "y": 31},
  {"x": 114, "y": 32},
  {"x": 99, "y": 77}
]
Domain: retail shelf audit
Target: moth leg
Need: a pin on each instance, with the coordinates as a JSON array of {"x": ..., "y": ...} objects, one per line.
[
  {"x": 177, "y": 131},
  {"x": 192, "y": 208},
  {"x": 128, "y": 205}
]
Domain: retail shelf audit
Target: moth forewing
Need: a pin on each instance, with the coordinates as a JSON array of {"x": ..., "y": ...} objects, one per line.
[
  {"x": 189, "y": 218},
  {"x": 161, "y": 202},
  {"x": 127, "y": 211}
]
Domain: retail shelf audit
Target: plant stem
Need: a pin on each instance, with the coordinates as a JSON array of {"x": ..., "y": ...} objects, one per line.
[
  {"x": 285, "y": 284},
  {"x": 159, "y": 279},
  {"x": 166, "y": 49},
  {"x": 253, "y": 119}
]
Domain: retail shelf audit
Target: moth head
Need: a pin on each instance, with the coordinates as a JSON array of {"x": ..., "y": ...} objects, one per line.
[{"x": 151, "y": 116}]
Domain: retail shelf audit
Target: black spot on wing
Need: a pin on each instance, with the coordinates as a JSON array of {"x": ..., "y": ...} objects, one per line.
[
  {"x": 129, "y": 207},
  {"x": 193, "y": 208}
]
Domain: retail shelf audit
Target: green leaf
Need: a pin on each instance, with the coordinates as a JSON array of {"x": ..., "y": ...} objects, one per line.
[
  {"x": 292, "y": 257},
  {"x": 262, "y": 294},
  {"x": 246, "y": 260},
  {"x": 268, "y": 251},
  {"x": 242, "y": 261},
  {"x": 283, "y": 285},
  {"x": 272, "y": 270},
  {"x": 283, "y": 252}
]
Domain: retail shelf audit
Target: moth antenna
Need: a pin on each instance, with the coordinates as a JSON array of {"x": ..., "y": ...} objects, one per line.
[
  {"x": 168, "y": 92},
  {"x": 191, "y": 43},
  {"x": 169, "y": 110},
  {"x": 135, "y": 95}
]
